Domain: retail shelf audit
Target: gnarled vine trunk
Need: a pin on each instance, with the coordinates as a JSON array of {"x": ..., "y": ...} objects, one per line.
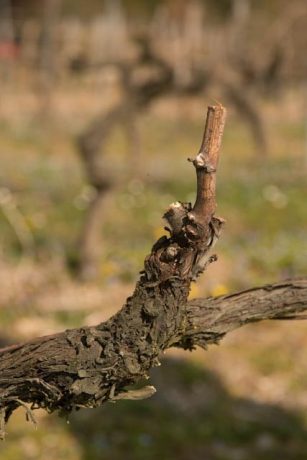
[{"x": 88, "y": 366}]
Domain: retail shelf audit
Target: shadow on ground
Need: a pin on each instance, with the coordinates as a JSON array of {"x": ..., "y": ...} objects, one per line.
[{"x": 191, "y": 417}]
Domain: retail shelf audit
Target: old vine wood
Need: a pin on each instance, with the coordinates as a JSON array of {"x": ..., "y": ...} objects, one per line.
[{"x": 89, "y": 366}]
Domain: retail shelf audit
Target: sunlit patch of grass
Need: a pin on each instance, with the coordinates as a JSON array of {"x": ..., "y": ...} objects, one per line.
[
  {"x": 7, "y": 316},
  {"x": 70, "y": 319},
  {"x": 271, "y": 360},
  {"x": 48, "y": 441}
]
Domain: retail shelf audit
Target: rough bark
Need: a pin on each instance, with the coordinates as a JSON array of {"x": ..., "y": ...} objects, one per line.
[
  {"x": 88, "y": 366},
  {"x": 209, "y": 320}
]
